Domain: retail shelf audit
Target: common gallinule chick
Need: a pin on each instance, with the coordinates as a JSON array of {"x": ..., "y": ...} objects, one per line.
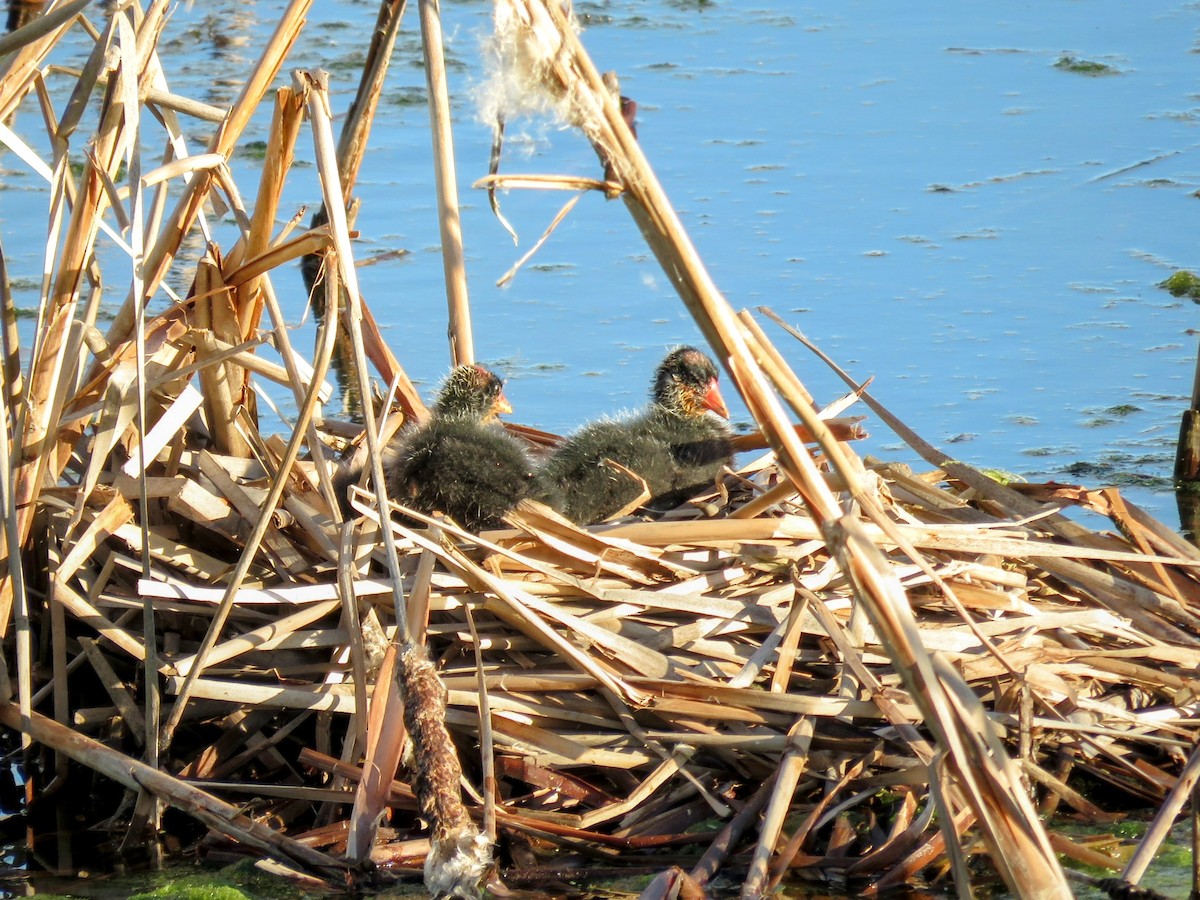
[
  {"x": 461, "y": 461},
  {"x": 677, "y": 445}
]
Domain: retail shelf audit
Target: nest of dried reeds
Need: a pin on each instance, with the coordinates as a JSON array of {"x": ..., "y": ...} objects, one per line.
[{"x": 827, "y": 668}]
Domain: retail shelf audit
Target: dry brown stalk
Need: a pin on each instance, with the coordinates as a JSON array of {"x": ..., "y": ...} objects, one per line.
[
  {"x": 791, "y": 767},
  {"x": 462, "y": 344},
  {"x": 385, "y": 733},
  {"x": 1180, "y": 793}
]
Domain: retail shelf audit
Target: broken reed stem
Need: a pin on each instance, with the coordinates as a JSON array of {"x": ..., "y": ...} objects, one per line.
[
  {"x": 14, "y": 565},
  {"x": 149, "y": 812},
  {"x": 258, "y": 292},
  {"x": 286, "y": 119},
  {"x": 1195, "y": 841},
  {"x": 54, "y": 354},
  {"x": 220, "y": 380},
  {"x": 709, "y": 863},
  {"x": 1112, "y": 589},
  {"x": 351, "y": 148},
  {"x": 487, "y": 742},
  {"x": 386, "y": 730},
  {"x": 462, "y": 345},
  {"x": 353, "y": 618},
  {"x": 791, "y": 767},
  {"x": 314, "y": 87},
  {"x": 352, "y": 145},
  {"x": 10, "y": 347}
]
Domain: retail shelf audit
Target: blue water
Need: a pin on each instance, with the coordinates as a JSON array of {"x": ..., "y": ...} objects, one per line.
[{"x": 916, "y": 186}]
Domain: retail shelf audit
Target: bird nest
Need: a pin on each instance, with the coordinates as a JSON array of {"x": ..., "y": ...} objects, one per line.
[{"x": 825, "y": 668}]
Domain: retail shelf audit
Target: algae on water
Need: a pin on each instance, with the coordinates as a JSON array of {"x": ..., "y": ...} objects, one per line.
[
  {"x": 1084, "y": 66},
  {"x": 1183, "y": 284}
]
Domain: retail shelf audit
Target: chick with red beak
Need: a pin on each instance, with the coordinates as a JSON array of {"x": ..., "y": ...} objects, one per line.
[{"x": 676, "y": 447}]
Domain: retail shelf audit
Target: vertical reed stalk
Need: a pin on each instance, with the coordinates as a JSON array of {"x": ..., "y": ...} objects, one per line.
[
  {"x": 487, "y": 740},
  {"x": 458, "y": 854},
  {"x": 352, "y": 144},
  {"x": 791, "y": 767},
  {"x": 462, "y": 345},
  {"x": 13, "y": 565},
  {"x": 286, "y": 119},
  {"x": 313, "y": 87},
  {"x": 149, "y": 811}
]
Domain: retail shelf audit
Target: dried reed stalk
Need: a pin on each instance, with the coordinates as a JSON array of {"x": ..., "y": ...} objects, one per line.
[
  {"x": 351, "y": 148},
  {"x": 462, "y": 344},
  {"x": 459, "y": 854},
  {"x": 352, "y": 144},
  {"x": 1181, "y": 791}
]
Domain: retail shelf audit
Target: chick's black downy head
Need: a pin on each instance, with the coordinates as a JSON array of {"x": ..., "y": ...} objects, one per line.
[
  {"x": 461, "y": 461},
  {"x": 685, "y": 384},
  {"x": 471, "y": 392}
]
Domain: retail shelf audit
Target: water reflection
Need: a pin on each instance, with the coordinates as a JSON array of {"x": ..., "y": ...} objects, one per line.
[
  {"x": 225, "y": 34},
  {"x": 1187, "y": 474},
  {"x": 21, "y": 12},
  {"x": 312, "y": 269}
]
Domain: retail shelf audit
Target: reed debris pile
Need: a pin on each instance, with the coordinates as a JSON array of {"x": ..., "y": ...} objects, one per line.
[{"x": 827, "y": 667}]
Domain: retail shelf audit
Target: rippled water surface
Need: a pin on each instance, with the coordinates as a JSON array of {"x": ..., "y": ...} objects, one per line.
[{"x": 918, "y": 187}]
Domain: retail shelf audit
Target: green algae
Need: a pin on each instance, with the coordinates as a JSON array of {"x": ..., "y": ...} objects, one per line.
[
  {"x": 1169, "y": 873},
  {"x": 252, "y": 150},
  {"x": 1183, "y": 284},
  {"x": 1002, "y": 477},
  {"x": 195, "y": 887},
  {"x": 1084, "y": 66},
  {"x": 241, "y": 881}
]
